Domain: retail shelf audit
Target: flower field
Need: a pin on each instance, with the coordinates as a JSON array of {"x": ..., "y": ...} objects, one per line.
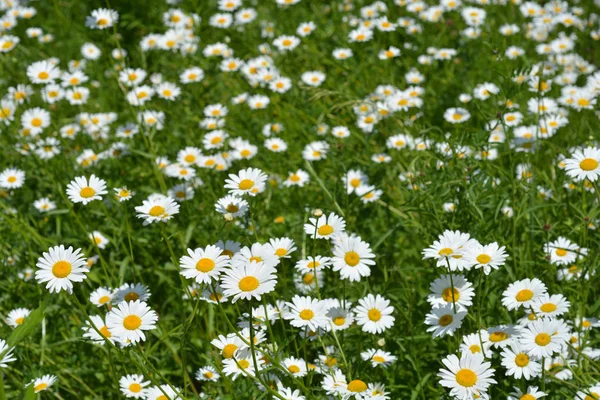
[{"x": 300, "y": 199}]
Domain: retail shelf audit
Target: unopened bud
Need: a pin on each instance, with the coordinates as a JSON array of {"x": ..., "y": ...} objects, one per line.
[
  {"x": 317, "y": 212},
  {"x": 228, "y": 217}
]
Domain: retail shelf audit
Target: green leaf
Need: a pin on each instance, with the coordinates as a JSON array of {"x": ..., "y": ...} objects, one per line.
[
  {"x": 29, "y": 392},
  {"x": 29, "y": 326}
]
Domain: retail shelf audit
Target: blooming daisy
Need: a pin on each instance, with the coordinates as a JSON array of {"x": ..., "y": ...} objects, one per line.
[
  {"x": 12, "y": 178},
  {"x": 455, "y": 289},
  {"x": 550, "y": 305},
  {"x": 378, "y": 358},
  {"x": 248, "y": 281},
  {"x": 132, "y": 386},
  {"x": 250, "y": 181},
  {"x": 352, "y": 257},
  {"x": 7, "y": 354},
  {"x": 59, "y": 267},
  {"x": 129, "y": 320},
  {"x": 443, "y": 320},
  {"x": 101, "y": 296},
  {"x": 532, "y": 393},
  {"x": 374, "y": 314},
  {"x": 207, "y": 374},
  {"x": 488, "y": 257},
  {"x": 43, "y": 383},
  {"x": 17, "y": 316},
  {"x": 157, "y": 208},
  {"x": 306, "y": 312},
  {"x": 523, "y": 293},
  {"x": 466, "y": 376},
  {"x": 519, "y": 363},
  {"x": 584, "y": 164},
  {"x": 203, "y": 265},
  {"x": 448, "y": 250},
  {"x": 82, "y": 190},
  {"x": 326, "y": 227}
]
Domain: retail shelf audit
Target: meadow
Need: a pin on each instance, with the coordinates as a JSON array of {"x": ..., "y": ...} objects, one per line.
[{"x": 299, "y": 199}]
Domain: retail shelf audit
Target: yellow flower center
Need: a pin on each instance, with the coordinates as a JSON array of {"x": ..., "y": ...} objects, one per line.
[
  {"x": 548, "y": 307},
  {"x": 232, "y": 208},
  {"x": 61, "y": 269},
  {"x": 498, "y": 336},
  {"x": 352, "y": 258},
  {"x": 37, "y": 122},
  {"x": 12, "y": 179},
  {"x": 357, "y": 386},
  {"x": 43, "y": 75},
  {"x": 19, "y": 321},
  {"x": 205, "y": 265},
  {"x": 339, "y": 321},
  {"x": 105, "y": 332},
  {"x": 446, "y": 320},
  {"x": 294, "y": 369},
  {"x": 246, "y": 184},
  {"x": 229, "y": 350},
  {"x": 132, "y": 322},
  {"x": 374, "y": 314},
  {"x": 190, "y": 158},
  {"x": 583, "y": 102},
  {"x": 156, "y": 211},
  {"x": 280, "y": 252},
  {"x": 475, "y": 348},
  {"x": 524, "y": 295},
  {"x": 483, "y": 259},
  {"x": 104, "y": 299},
  {"x": 208, "y": 374},
  {"x": 40, "y": 387},
  {"x": 248, "y": 283},
  {"x": 561, "y": 252},
  {"x": 307, "y": 315},
  {"x": 466, "y": 377},
  {"x": 446, "y": 251},
  {"x": 131, "y": 296},
  {"x": 542, "y": 339},
  {"x": 448, "y": 295},
  {"x": 87, "y": 192},
  {"x": 522, "y": 360},
  {"x": 103, "y": 22},
  {"x": 325, "y": 230},
  {"x": 135, "y": 387},
  {"x": 527, "y": 396},
  {"x": 588, "y": 164}
]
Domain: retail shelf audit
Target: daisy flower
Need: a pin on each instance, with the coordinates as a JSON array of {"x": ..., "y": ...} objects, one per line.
[
  {"x": 101, "y": 296},
  {"x": 102, "y": 18},
  {"x": 352, "y": 257},
  {"x": 43, "y": 383},
  {"x": 17, "y": 316},
  {"x": 550, "y": 305},
  {"x": 584, "y": 164},
  {"x": 502, "y": 336},
  {"x": 203, "y": 265},
  {"x": 562, "y": 251},
  {"x": 467, "y": 376},
  {"x": 131, "y": 292},
  {"x": 82, "y": 190},
  {"x": 235, "y": 367},
  {"x": 488, "y": 257},
  {"x": 129, "y": 320},
  {"x": 298, "y": 178},
  {"x": 207, "y": 374},
  {"x": 442, "y": 291},
  {"x": 306, "y": 312},
  {"x": 60, "y": 267},
  {"x": 157, "y": 208},
  {"x": 374, "y": 314},
  {"x": 326, "y": 227},
  {"x": 12, "y": 178},
  {"x": 295, "y": 366},
  {"x": 132, "y": 386},
  {"x": 378, "y": 358},
  {"x": 251, "y": 280},
  {"x": 444, "y": 321},
  {"x": 448, "y": 250},
  {"x": 250, "y": 181},
  {"x": 283, "y": 247},
  {"x": 123, "y": 194},
  {"x": 519, "y": 363},
  {"x": 523, "y": 293}
]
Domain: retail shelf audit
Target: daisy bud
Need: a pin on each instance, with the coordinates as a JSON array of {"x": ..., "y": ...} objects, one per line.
[
  {"x": 317, "y": 212},
  {"x": 228, "y": 217}
]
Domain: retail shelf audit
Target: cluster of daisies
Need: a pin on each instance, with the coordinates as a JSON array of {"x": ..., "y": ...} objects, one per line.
[
  {"x": 541, "y": 340},
  {"x": 54, "y": 112}
]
